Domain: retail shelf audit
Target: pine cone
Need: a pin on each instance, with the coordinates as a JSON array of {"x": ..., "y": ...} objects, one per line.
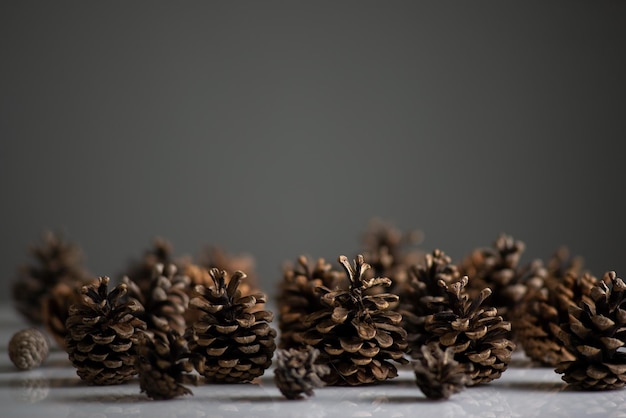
[
  {"x": 164, "y": 301},
  {"x": 387, "y": 250},
  {"x": 358, "y": 335},
  {"x": 437, "y": 373},
  {"x": 215, "y": 257},
  {"x": 476, "y": 333},
  {"x": 496, "y": 268},
  {"x": 163, "y": 365},
  {"x": 298, "y": 297},
  {"x": 102, "y": 334},
  {"x": 595, "y": 333},
  {"x": 57, "y": 261},
  {"x": 562, "y": 264},
  {"x": 423, "y": 296},
  {"x": 28, "y": 349},
  {"x": 543, "y": 310},
  {"x": 296, "y": 372},
  {"x": 141, "y": 271},
  {"x": 56, "y": 309},
  {"x": 230, "y": 342}
]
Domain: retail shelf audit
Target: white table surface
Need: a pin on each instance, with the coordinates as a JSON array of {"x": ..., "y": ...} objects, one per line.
[{"x": 54, "y": 390}]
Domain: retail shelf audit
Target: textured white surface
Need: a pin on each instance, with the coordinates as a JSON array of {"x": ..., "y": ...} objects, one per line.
[{"x": 54, "y": 390}]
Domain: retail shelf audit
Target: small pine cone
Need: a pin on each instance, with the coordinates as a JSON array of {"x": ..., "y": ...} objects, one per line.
[
  {"x": 165, "y": 301},
  {"x": 102, "y": 334},
  {"x": 423, "y": 296},
  {"x": 298, "y": 297},
  {"x": 437, "y": 373},
  {"x": 388, "y": 252},
  {"x": 56, "y": 261},
  {"x": 595, "y": 335},
  {"x": 296, "y": 372},
  {"x": 231, "y": 342},
  {"x": 141, "y": 271},
  {"x": 28, "y": 349},
  {"x": 476, "y": 333},
  {"x": 163, "y": 365},
  {"x": 357, "y": 333},
  {"x": 496, "y": 268}
]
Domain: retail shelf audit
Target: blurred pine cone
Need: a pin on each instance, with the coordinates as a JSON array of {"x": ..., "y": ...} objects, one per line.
[
  {"x": 297, "y": 373},
  {"x": 595, "y": 335},
  {"x": 476, "y": 333},
  {"x": 358, "y": 335},
  {"x": 422, "y": 296},
  {"x": 390, "y": 252},
  {"x": 231, "y": 342},
  {"x": 164, "y": 301},
  {"x": 56, "y": 261},
  {"x": 141, "y": 271},
  {"x": 437, "y": 373},
  {"x": 163, "y": 365},
  {"x": 539, "y": 316},
  {"x": 102, "y": 334},
  {"x": 298, "y": 297},
  {"x": 496, "y": 268},
  {"x": 56, "y": 309}
]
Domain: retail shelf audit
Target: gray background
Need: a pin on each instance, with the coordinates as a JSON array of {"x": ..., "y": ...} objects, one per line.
[{"x": 280, "y": 128}]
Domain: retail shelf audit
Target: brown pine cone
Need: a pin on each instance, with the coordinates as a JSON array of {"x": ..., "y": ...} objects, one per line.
[
  {"x": 56, "y": 308},
  {"x": 216, "y": 257},
  {"x": 163, "y": 365},
  {"x": 595, "y": 335},
  {"x": 538, "y": 321},
  {"x": 56, "y": 261},
  {"x": 389, "y": 253},
  {"x": 231, "y": 342},
  {"x": 476, "y": 333},
  {"x": 296, "y": 372},
  {"x": 422, "y": 296},
  {"x": 165, "y": 300},
  {"x": 298, "y": 297},
  {"x": 28, "y": 349},
  {"x": 496, "y": 268},
  {"x": 102, "y": 334},
  {"x": 357, "y": 334},
  {"x": 437, "y": 373},
  {"x": 141, "y": 271}
]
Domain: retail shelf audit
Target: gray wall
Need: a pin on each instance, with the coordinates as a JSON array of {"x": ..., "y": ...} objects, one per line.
[{"x": 280, "y": 128}]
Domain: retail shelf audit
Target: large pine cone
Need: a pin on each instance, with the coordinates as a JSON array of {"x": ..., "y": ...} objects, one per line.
[
  {"x": 56, "y": 261},
  {"x": 102, "y": 333},
  {"x": 595, "y": 334},
  {"x": 298, "y": 297},
  {"x": 231, "y": 342},
  {"x": 357, "y": 334},
  {"x": 423, "y": 296},
  {"x": 496, "y": 268},
  {"x": 475, "y": 332},
  {"x": 164, "y": 301},
  {"x": 163, "y": 365}
]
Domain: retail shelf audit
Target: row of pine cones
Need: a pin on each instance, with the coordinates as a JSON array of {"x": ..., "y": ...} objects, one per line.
[{"x": 174, "y": 322}]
